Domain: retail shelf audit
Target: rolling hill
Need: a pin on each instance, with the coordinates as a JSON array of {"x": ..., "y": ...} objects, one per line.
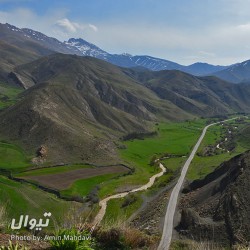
[
  {"x": 197, "y": 95},
  {"x": 81, "y": 106}
]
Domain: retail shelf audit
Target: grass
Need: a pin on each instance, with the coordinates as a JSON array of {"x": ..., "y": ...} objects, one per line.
[
  {"x": 12, "y": 157},
  {"x": 174, "y": 163},
  {"x": 8, "y": 95},
  {"x": 194, "y": 245},
  {"x": 83, "y": 187},
  {"x": 203, "y": 165},
  {"x": 52, "y": 170},
  {"x": 116, "y": 213},
  {"x": 25, "y": 199},
  {"x": 172, "y": 138}
]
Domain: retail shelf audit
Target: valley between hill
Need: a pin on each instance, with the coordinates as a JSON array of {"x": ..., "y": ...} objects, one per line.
[{"x": 76, "y": 130}]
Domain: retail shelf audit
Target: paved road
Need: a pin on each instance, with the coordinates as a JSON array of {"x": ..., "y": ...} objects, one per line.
[
  {"x": 103, "y": 203},
  {"x": 169, "y": 217}
]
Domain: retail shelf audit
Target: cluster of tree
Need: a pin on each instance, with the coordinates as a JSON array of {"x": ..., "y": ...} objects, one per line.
[
  {"x": 139, "y": 135},
  {"x": 93, "y": 195}
]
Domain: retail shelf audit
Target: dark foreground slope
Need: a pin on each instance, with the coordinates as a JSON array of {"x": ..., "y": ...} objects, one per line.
[
  {"x": 78, "y": 108},
  {"x": 218, "y": 207}
]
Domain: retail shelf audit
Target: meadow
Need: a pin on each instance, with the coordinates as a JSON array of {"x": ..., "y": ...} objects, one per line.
[
  {"x": 8, "y": 95},
  {"x": 172, "y": 143},
  {"x": 203, "y": 165},
  {"x": 21, "y": 198},
  {"x": 174, "y": 139},
  {"x": 13, "y": 157}
]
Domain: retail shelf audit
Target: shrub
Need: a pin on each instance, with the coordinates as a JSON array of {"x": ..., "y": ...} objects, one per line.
[
  {"x": 3, "y": 216},
  {"x": 13, "y": 247},
  {"x": 153, "y": 160},
  {"x": 123, "y": 239},
  {"x": 72, "y": 239},
  {"x": 128, "y": 200},
  {"x": 136, "y": 239},
  {"x": 93, "y": 195},
  {"x": 110, "y": 239}
]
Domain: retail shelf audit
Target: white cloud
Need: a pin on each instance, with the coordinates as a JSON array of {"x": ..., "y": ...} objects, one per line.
[
  {"x": 67, "y": 25},
  {"x": 93, "y": 27},
  {"x": 54, "y": 23},
  {"x": 217, "y": 44},
  {"x": 72, "y": 27}
]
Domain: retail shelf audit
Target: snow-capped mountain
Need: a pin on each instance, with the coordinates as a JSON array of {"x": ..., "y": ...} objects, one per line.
[
  {"x": 149, "y": 62},
  {"x": 239, "y": 72},
  {"x": 86, "y": 48},
  {"x": 43, "y": 45},
  {"x": 20, "y": 37}
]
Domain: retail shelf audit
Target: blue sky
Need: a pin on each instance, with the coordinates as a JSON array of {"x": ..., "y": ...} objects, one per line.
[{"x": 184, "y": 31}]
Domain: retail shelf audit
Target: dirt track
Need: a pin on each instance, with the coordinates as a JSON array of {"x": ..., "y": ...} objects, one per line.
[
  {"x": 103, "y": 203},
  {"x": 63, "y": 181}
]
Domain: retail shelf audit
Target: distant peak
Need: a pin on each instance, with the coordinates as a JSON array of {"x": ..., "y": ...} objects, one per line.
[
  {"x": 76, "y": 40},
  {"x": 126, "y": 54}
]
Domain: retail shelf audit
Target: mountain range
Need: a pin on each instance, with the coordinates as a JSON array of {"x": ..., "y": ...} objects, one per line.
[
  {"x": 239, "y": 72},
  {"x": 40, "y": 45},
  {"x": 83, "y": 104},
  {"x": 148, "y": 62},
  {"x": 24, "y": 45}
]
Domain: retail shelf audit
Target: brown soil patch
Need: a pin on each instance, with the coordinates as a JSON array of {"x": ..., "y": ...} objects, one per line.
[{"x": 63, "y": 181}]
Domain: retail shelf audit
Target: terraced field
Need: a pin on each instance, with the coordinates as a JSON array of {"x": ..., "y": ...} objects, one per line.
[{"x": 63, "y": 180}]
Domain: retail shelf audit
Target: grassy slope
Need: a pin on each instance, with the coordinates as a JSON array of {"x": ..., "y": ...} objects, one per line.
[
  {"x": 121, "y": 213},
  {"x": 8, "y": 95},
  {"x": 25, "y": 199},
  {"x": 12, "y": 157}
]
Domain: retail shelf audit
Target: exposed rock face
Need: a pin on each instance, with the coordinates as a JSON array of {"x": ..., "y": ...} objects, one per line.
[
  {"x": 42, "y": 152},
  {"x": 218, "y": 207}
]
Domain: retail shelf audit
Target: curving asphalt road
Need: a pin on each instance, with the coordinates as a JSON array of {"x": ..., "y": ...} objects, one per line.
[{"x": 169, "y": 217}]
